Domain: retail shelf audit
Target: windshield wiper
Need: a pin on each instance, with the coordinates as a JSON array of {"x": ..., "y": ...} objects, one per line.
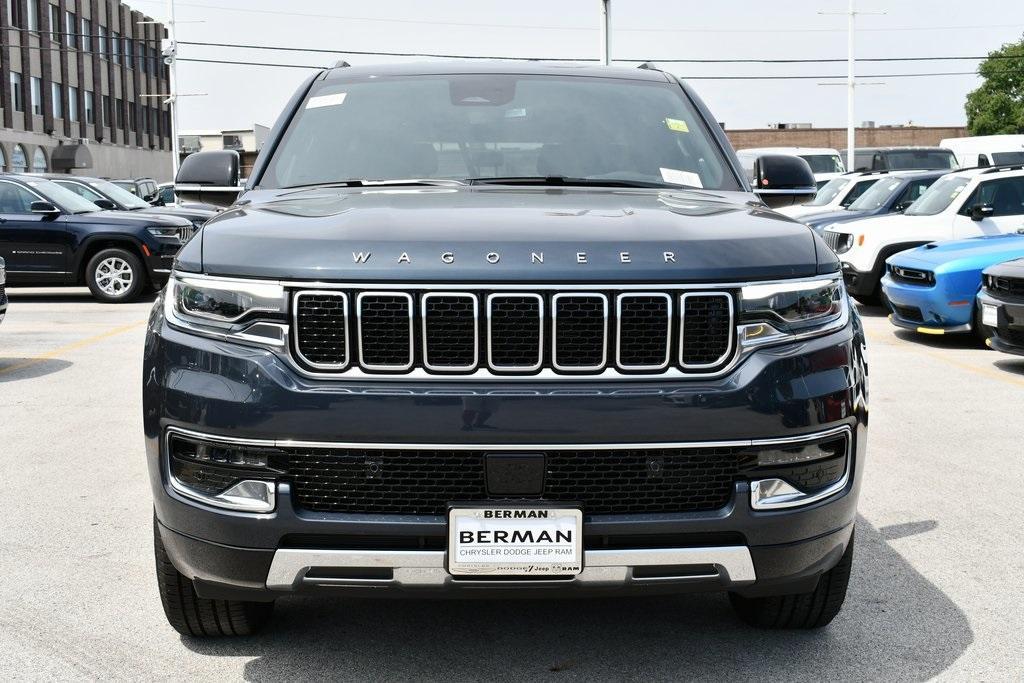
[
  {"x": 365, "y": 182},
  {"x": 566, "y": 181}
]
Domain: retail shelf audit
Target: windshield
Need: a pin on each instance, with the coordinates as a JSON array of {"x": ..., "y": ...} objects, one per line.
[
  {"x": 829, "y": 192},
  {"x": 918, "y": 159},
  {"x": 824, "y": 163},
  {"x": 125, "y": 184},
  {"x": 1003, "y": 158},
  {"x": 937, "y": 197},
  {"x": 61, "y": 196},
  {"x": 466, "y": 126},
  {"x": 877, "y": 195},
  {"x": 119, "y": 194}
]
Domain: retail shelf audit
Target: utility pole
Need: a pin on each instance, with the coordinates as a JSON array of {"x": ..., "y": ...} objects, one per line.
[
  {"x": 606, "y": 31},
  {"x": 851, "y": 81},
  {"x": 171, "y": 55}
]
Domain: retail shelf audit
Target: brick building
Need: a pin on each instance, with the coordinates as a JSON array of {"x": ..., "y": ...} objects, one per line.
[
  {"x": 835, "y": 138},
  {"x": 72, "y": 73}
]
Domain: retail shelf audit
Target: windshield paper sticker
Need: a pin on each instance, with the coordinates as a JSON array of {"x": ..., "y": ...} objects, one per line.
[
  {"x": 325, "y": 100},
  {"x": 677, "y": 125},
  {"x": 671, "y": 175}
]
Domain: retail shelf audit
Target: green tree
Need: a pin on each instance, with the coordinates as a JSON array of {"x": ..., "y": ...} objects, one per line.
[{"x": 998, "y": 105}]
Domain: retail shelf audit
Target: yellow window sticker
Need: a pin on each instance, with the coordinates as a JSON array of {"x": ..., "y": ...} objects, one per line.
[{"x": 677, "y": 125}]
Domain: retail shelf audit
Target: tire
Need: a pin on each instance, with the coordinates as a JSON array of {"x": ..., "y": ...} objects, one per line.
[
  {"x": 803, "y": 611},
  {"x": 191, "y": 615},
  {"x": 126, "y": 276}
]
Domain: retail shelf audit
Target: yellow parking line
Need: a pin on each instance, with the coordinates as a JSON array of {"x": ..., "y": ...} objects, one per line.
[
  {"x": 987, "y": 372},
  {"x": 60, "y": 350}
]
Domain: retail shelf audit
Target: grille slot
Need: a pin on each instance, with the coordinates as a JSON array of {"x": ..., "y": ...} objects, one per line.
[
  {"x": 580, "y": 331},
  {"x": 1007, "y": 285},
  {"x": 706, "y": 331},
  {"x": 423, "y": 482},
  {"x": 450, "y": 332},
  {"x": 321, "y": 334},
  {"x": 385, "y": 330},
  {"x": 515, "y": 332},
  {"x": 644, "y": 330},
  {"x": 909, "y": 313}
]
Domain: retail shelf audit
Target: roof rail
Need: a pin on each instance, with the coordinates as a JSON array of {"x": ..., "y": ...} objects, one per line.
[
  {"x": 650, "y": 66},
  {"x": 1001, "y": 167},
  {"x": 340, "y": 64}
]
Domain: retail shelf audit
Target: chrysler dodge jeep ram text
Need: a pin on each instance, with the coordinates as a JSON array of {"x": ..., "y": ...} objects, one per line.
[{"x": 502, "y": 330}]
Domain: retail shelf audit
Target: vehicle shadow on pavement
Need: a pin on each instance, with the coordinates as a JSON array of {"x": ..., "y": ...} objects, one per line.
[
  {"x": 966, "y": 340},
  {"x": 14, "y": 369},
  {"x": 1015, "y": 367},
  {"x": 895, "y": 625},
  {"x": 72, "y": 296},
  {"x": 868, "y": 311}
]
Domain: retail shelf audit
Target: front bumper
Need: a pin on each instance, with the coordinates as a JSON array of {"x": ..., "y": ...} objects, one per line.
[
  {"x": 928, "y": 309},
  {"x": 1009, "y": 332},
  {"x": 782, "y": 392},
  {"x": 859, "y": 283}
]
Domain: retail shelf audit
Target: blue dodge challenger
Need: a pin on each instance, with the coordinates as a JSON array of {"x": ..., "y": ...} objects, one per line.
[{"x": 931, "y": 289}]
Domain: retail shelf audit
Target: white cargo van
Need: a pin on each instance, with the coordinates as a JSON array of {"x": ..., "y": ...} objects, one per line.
[{"x": 986, "y": 150}]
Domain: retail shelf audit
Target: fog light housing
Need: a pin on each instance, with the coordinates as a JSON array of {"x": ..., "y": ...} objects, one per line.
[
  {"x": 222, "y": 474},
  {"x": 795, "y": 474}
]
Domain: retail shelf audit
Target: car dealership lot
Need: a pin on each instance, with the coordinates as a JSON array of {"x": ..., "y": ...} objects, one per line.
[{"x": 935, "y": 592}]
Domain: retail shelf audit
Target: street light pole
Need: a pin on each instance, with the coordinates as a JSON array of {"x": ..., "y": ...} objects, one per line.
[
  {"x": 851, "y": 88},
  {"x": 172, "y": 54},
  {"x": 606, "y": 32}
]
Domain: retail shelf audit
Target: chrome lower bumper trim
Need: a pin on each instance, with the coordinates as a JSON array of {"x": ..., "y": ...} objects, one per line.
[{"x": 291, "y": 568}]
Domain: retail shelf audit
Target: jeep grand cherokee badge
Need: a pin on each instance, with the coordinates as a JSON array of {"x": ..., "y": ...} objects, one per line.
[{"x": 537, "y": 338}]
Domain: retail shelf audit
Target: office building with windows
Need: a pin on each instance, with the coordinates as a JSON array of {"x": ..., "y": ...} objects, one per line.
[{"x": 74, "y": 75}]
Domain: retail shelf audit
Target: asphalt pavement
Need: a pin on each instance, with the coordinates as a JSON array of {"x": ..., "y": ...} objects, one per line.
[{"x": 936, "y": 588}]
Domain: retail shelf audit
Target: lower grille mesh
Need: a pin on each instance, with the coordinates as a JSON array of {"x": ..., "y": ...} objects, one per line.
[{"x": 423, "y": 482}]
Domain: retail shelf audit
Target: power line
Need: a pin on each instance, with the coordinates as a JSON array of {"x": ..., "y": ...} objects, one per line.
[
  {"x": 671, "y": 60},
  {"x": 548, "y": 27}
]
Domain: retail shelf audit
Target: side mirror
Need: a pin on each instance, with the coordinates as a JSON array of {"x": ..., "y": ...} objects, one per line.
[
  {"x": 210, "y": 177},
  {"x": 783, "y": 180},
  {"x": 45, "y": 208},
  {"x": 980, "y": 212},
  {"x": 105, "y": 204}
]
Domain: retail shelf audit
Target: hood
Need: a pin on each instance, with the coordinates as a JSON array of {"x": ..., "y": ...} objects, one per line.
[
  {"x": 129, "y": 219},
  {"x": 819, "y": 220},
  {"x": 975, "y": 253},
  {"x": 191, "y": 215},
  {"x": 476, "y": 234},
  {"x": 1014, "y": 268}
]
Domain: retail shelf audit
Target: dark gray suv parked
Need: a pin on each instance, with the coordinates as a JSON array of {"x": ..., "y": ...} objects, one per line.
[{"x": 502, "y": 330}]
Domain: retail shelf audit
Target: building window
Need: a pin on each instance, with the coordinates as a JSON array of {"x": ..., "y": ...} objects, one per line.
[
  {"x": 115, "y": 47},
  {"x": 73, "y": 104},
  {"x": 16, "y": 93},
  {"x": 86, "y": 35},
  {"x": 129, "y": 61},
  {"x": 58, "y": 106},
  {"x": 71, "y": 28},
  {"x": 107, "y": 114},
  {"x": 33, "y": 14},
  {"x": 3, "y": 161},
  {"x": 101, "y": 41},
  {"x": 19, "y": 162},
  {"x": 37, "y": 95},
  {"x": 90, "y": 113},
  {"x": 39, "y": 161},
  {"x": 14, "y": 12},
  {"x": 55, "y": 24},
  {"x": 131, "y": 116},
  {"x": 119, "y": 107}
]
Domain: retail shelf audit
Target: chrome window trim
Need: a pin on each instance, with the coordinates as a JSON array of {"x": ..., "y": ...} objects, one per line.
[
  {"x": 554, "y": 332},
  {"x": 295, "y": 328},
  {"x": 618, "y": 330},
  {"x": 476, "y": 331},
  {"x": 298, "y": 443},
  {"x": 682, "y": 331},
  {"x": 359, "y": 329},
  {"x": 540, "y": 340}
]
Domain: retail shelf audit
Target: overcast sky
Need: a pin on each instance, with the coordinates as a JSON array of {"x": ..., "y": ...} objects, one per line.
[{"x": 239, "y": 96}]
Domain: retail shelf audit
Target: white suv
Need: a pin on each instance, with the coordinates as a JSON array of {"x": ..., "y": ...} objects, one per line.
[
  {"x": 967, "y": 203},
  {"x": 836, "y": 194}
]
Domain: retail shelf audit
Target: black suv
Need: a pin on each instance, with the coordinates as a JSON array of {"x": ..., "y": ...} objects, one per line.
[
  {"x": 51, "y": 236},
  {"x": 107, "y": 195},
  {"x": 538, "y": 339}
]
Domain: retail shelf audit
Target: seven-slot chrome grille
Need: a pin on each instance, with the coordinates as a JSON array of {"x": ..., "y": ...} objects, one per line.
[{"x": 512, "y": 332}]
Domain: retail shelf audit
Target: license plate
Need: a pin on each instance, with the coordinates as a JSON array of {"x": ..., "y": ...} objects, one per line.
[
  {"x": 515, "y": 541},
  {"x": 989, "y": 315}
]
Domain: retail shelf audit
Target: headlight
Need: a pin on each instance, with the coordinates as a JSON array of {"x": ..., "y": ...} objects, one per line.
[
  {"x": 165, "y": 233},
  {"x": 236, "y": 309},
  {"x": 776, "y": 311}
]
